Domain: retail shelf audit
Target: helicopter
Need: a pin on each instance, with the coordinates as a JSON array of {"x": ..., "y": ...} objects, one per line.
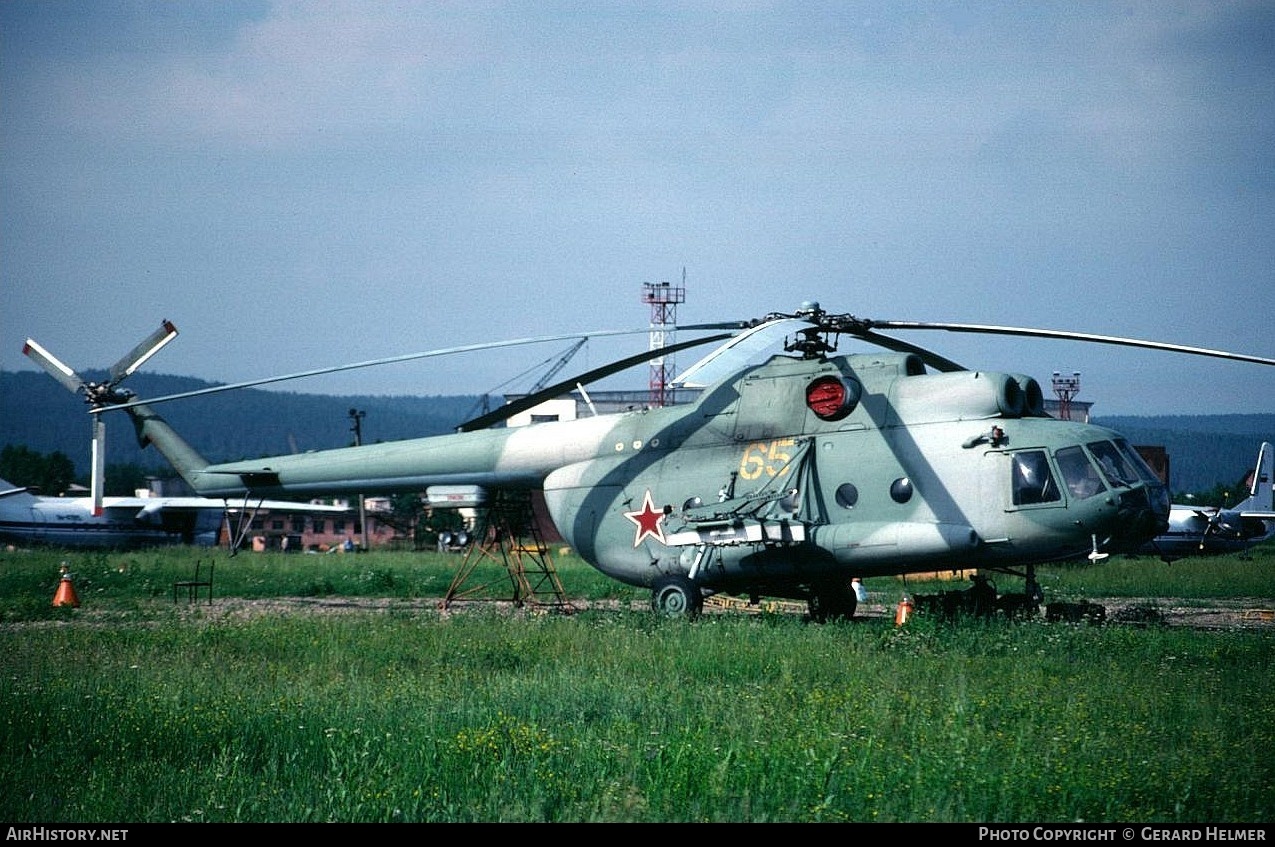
[{"x": 788, "y": 477}]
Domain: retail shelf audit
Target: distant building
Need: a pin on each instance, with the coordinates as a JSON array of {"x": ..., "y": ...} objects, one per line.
[
  {"x": 281, "y": 531},
  {"x": 1079, "y": 409}
]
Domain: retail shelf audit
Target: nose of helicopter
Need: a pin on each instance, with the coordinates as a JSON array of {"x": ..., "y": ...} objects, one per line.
[{"x": 1141, "y": 515}]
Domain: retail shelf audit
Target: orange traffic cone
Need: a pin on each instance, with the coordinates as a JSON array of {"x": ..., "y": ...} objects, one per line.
[
  {"x": 65, "y": 595},
  {"x": 903, "y": 612}
]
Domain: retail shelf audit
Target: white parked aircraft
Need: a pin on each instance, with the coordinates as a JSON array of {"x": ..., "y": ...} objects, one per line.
[
  {"x": 126, "y": 522},
  {"x": 1208, "y": 530}
]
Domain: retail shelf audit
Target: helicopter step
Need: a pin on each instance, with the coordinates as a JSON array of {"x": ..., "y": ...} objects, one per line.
[{"x": 740, "y": 531}]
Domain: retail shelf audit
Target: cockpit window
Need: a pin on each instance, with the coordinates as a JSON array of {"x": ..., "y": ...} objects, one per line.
[
  {"x": 1078, "y": 473},
  {"x": 1139, "y": 464},
  {"x": 1116, "y": 466},
  {"x": 1032, "y": 480}
]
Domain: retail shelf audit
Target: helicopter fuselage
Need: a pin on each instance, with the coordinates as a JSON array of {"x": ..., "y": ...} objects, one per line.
[
  {"x": 757, "y": 489},
  {"x": 787, "y": 478}
]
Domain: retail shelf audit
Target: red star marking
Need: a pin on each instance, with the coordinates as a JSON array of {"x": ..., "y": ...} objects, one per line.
[{"x": 648, "y": 520}]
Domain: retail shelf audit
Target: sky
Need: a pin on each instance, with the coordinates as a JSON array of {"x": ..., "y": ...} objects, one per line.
[{"x": 304, "y": 185}]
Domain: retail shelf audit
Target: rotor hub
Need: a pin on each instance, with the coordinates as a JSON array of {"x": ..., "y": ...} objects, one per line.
[{"x": 99, "y": 394}]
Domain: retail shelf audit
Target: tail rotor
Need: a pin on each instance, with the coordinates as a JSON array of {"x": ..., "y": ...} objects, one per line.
[{"x": 101, "y": 394}]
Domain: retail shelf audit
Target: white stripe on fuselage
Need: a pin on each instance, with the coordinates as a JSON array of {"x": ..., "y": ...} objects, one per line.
[{"x": 549, "y": 446}]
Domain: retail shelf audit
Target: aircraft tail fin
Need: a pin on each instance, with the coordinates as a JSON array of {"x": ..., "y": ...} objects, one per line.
[
  {"x": 1261, "y": 496},
  {"x": 154, "y": 430}
]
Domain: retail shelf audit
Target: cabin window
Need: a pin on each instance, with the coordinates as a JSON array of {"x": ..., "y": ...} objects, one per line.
[
  {"x": 318, "y": 524},
  {"x": 1079, "y": 474},
  {"x": 1033, "y": 481},
  {"x": 901, "y": 490},
  {"x": 847, "y": 495}
]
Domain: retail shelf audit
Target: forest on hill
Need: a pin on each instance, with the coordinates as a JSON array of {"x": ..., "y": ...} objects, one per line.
[
  {"x": 38, "y": 413},
  {"x": 1205, "y": 451}
]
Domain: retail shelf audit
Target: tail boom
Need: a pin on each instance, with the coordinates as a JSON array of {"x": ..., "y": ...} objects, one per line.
[{"x": 518, "y": 457}]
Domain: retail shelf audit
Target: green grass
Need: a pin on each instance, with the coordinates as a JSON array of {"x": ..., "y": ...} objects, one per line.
[{"x": 135, "y": 709}]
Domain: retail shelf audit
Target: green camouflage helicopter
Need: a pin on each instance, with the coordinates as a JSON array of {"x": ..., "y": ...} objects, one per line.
[{"x": 786, "y": 478}]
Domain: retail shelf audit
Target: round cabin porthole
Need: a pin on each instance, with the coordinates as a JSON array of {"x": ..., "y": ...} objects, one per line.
[
  {"x": 847, "y": 495},
  {"x": 901, "y": 490}
]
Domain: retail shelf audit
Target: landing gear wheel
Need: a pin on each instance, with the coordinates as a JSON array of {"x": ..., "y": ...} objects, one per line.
[
  {"x": 833, "y": 601},
  {"x": 676, "y": 596},
  {"x": 1035, "y": 596}
]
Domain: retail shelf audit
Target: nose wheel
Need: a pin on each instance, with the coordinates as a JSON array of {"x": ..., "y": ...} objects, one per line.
[{"x": 676, "y": 596}]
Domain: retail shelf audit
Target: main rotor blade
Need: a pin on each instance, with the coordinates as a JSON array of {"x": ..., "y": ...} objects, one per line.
[
  {"x": 1071, "y": 336},
  {"x": 934, "y": 360},
  {"x": 718, "y": 325},
  {"x": 465, "y": 348},
  {"x": 56, "y": 369},
  {"x": 531, "y": 400},
  {"x": 136, "y": 357}
]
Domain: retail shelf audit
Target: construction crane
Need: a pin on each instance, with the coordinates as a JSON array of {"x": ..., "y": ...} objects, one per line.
[
  {"x": 485, "y": 402},
  {"x": 559, "y": 365}
]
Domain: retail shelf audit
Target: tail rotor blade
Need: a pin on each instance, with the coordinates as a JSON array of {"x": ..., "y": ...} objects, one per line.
[
  {"x": 97, "y": 480},
  {"x": 69, "y": 378},
  {"x": 143, "y": 351}
]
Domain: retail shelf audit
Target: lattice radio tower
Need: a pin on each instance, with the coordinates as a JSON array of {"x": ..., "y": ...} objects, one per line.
[
  {"x": 1065, "y": 388},
  {"x": 663, "y": 298}
]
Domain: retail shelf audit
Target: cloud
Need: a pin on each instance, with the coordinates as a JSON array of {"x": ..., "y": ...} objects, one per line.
[{"x": 1006, "y": 163}]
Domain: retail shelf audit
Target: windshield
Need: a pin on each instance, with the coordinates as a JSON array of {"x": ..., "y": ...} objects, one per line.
[
  {"x": 1078, "y": 473},
  {"x": 1118, "y": 469},
  {"x": 1138, "y": 463}
]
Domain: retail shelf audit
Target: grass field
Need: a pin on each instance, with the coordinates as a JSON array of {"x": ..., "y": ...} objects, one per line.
[{"x": 134, "y": 708}]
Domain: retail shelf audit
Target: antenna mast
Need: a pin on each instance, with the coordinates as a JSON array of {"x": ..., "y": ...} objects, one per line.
[{"x": 663, "y": 298}]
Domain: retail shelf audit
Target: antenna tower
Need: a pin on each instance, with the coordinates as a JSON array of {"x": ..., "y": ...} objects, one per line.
[
  {"x": 663, "y": 298},
  {"x": 1065, "y": 388}
]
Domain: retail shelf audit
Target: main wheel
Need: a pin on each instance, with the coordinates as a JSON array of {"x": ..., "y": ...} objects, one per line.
[
  {"x": 676, "y": 596},
  {"x": 833, "y": 601}
]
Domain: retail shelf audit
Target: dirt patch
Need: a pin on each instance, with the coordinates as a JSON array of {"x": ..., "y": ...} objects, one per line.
[
  {"x": 1235, "y": 613},
  {"x": 1229, "y": 614},
  {"x": 1240, "y": 613}
]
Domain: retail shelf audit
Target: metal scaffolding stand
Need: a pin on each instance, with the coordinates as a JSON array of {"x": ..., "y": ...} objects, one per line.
[{"x": 508, "y": 536}]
